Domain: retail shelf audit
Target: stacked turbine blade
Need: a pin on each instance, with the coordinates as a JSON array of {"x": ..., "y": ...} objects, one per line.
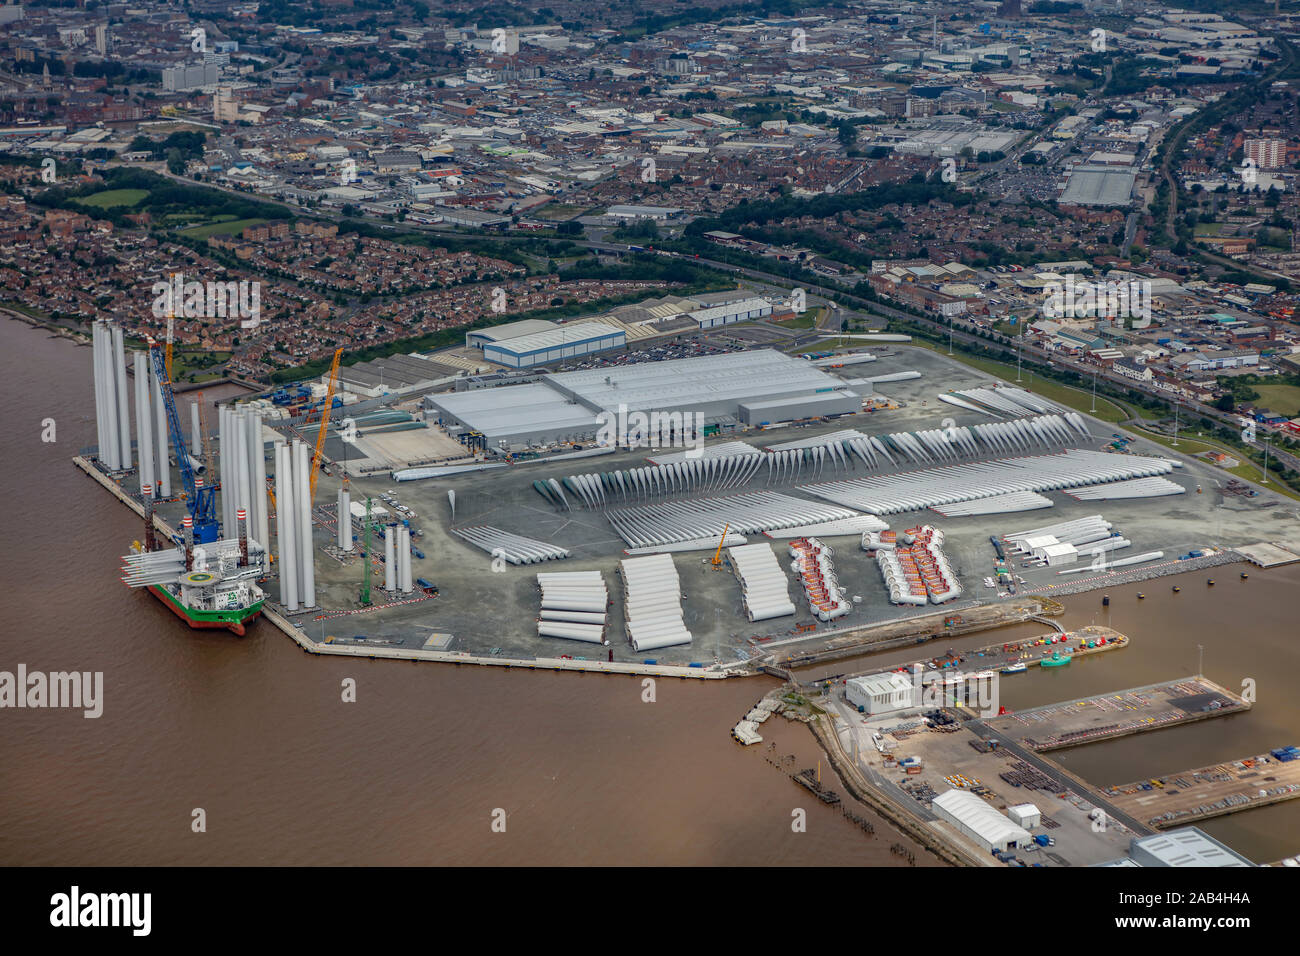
[
  {"x": 514, "y": 548},
  {"x": 573, "y": 605}
]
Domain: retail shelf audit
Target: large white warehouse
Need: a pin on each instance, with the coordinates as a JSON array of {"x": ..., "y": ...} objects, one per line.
[
  {"x": 979, "y": 821},
  {"x": 719, "y": 391},
  {"x": 881, "y": 693}
]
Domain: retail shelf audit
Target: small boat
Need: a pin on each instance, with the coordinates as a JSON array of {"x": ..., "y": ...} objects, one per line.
[
  {"x": 1177, "y": 589},
  {"x": 1244, "y": 575},
  {"x": 1056, "y": 660},
  {"x": 1141, "y": 595},
  {"x": 1017, "y": 668},
  {"x": 1210, "y": 583}
]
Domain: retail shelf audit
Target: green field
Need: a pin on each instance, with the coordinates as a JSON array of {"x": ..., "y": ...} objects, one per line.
[
  {"x": 1247, "y": 470},
  {"x": 197, "y": 365},
  {"x": 231, "y": 228},
  {"x": 1283, "y": 399},
  {"x": 115, "y": 197}
]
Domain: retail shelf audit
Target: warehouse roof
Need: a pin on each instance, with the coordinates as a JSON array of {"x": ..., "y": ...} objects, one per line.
[
  {"x": 513, "y": 409},
  {"x": 512, "y": 330},
  {"x": 556, "y": 337},
  {"x": 395, "y": 371},
  {"x": 732, "y": 377},
  {"x": 754, "y": 304},
  {"x": 981, "y": 818},
  {"x": 1187, "y": 846},
  {"x": 797, "y": 401},
  {"x": 1099, "y": 186},
  {"x": 876, "y": 684}
]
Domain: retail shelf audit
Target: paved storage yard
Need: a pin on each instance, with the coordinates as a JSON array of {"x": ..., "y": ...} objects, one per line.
[
  {"x": 1107, "y": 716},
  {"x": 1178, "y": 799},
  {"x": 486, "y": 610}
]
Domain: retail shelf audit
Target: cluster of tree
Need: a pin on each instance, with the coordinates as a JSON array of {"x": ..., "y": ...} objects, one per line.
[
  {"x": 636, "y": 231},
  {"x": 178, "y": 148},
  {"x": 915, "y": 193},
  {"x": 164, "y": 198}
]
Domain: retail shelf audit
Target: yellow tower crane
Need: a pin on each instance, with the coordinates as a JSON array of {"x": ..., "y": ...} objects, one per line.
[{"x": 326, "y": 408}]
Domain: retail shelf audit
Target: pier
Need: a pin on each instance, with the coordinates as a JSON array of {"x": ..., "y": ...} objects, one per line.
[
  {"x": 1119, "y": 714},
  {"x": 1190, "y": 796},
  {"x": 918, "y": 629},
  {"x": 272, "y": 615}
]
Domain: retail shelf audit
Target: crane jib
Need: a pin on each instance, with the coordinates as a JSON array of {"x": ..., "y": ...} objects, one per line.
[{"x": 200, "y": 500}]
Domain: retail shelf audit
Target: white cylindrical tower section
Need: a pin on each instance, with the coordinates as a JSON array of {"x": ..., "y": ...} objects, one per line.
[
  {"x": 144, "y": 420},
  {"x": 390, "y": 559},
  {"x": 119, "y": 396},
  {"x": 286, "y": 521},
  {"x": 164, "y": 473},
  {"x": 240, "y": 457},
  {"x": 111, "y": 451},
  {"x": 97, "y": 363},
  {"x": 196, "y": 438},
  {"x": 229, "y": 476},
  {"x": 345, "y": 519},
  {"x": 404, "y": 559},
  {"x": 257, "y": 478},
  {"x": 306, "y": 553}
]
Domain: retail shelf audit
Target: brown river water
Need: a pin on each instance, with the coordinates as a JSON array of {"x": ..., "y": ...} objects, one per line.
[{"x": 254, "y": 732}]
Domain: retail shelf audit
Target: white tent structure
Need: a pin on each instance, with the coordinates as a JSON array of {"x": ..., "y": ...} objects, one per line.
[{"x": 979, "y": 821}]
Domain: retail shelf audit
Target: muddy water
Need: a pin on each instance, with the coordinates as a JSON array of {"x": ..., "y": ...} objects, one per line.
[{"x": 254, "y": 731}]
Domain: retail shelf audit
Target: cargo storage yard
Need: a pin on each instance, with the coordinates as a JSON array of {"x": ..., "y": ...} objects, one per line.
[
  {"x": 832, "y": 496},
  {"x": 765, "y": 546}
]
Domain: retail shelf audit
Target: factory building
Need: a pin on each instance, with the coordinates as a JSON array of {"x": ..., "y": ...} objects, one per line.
[
  {"x": 723, "y": 391},
  {"x": 477, "y": 338},
  {"x": 978, "y": 821},
  {"x": 555, "y": 345},
  {"x": 881, "y": 693},
  {"x": 396, "y": 373},
  {"x": 1185, "y": 846},
  {"x": 514, "y": 416},
  {"x": 742, "y": 311}
]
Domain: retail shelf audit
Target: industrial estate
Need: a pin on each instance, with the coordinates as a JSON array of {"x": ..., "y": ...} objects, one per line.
[
  {"x": 716, "y": 516},
  {"x": 893, "y": 345}
]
